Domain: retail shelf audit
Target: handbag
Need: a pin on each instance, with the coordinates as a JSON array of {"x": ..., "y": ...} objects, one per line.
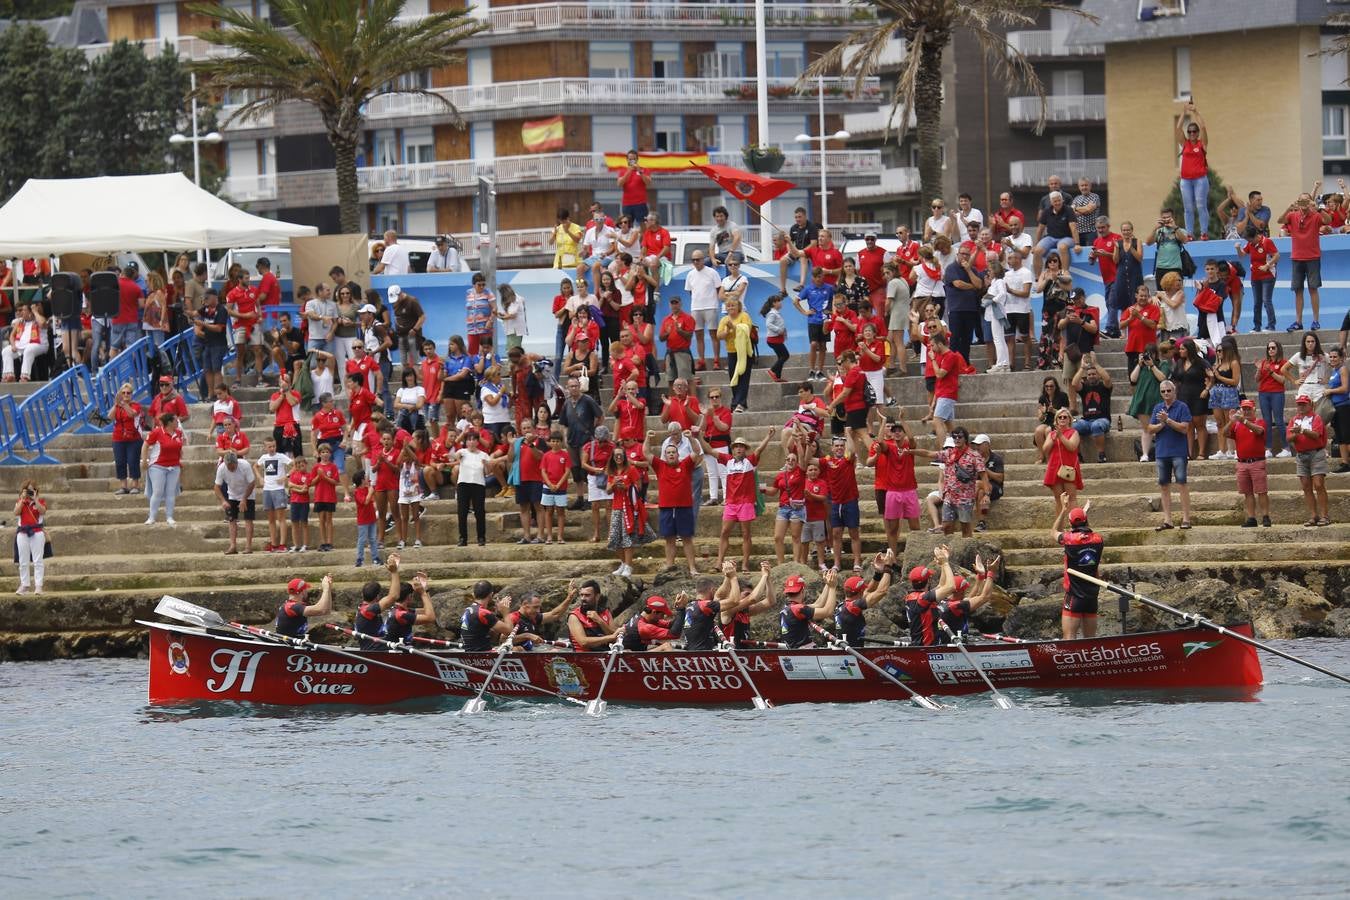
[
  {"x": 1187, "y": 264},
  {"x": 1066, "y": 473},
  {"x": 1208, "y": 301}
]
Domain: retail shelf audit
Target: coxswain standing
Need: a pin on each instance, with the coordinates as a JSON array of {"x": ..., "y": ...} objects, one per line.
[
  {"x": 369, "y": 619},
  {"x": 656, "y": 622},
  {"x": 399, "y": 624},
  {"x": 849, "y": 616},
  {"x": 589, "y": 627},
  {"x": 794, "y": 621},
  {"x": 529, "y": 619},
  {"x": 734, "y": 618},
  {"x": 959, "y": 608},
  {"x": 483, "y": 624},
  {"x": 1082, "y": 551},
  {"x": 925, "y": 605},
  {"x": 293, "y": 615}
]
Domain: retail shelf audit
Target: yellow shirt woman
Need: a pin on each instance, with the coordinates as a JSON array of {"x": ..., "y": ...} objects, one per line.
[{"x": 566, "y": 236}]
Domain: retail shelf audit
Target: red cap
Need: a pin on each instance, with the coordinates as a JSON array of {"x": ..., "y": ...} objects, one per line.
[
  {"x": 1303, "y": 398},
  {"x": 919, "y": 575},
  {"x": 959, "y": 583},
  {"x": 1248, "y": 404},
  {"x": 795, "y": 584},
  {"x": 855, "y": 585},
  {"x": 658, "y": 604},
  {"x": 1077, "y": 516},
  {"x": 165, "y": 379},
  {"x": 297, "y": 586}
]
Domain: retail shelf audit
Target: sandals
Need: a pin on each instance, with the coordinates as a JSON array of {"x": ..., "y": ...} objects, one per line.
[
  {"x": 1323, "y": 521},
  {"x": 1185, "y": 526},
  {"x": 1165, "y": 526}
]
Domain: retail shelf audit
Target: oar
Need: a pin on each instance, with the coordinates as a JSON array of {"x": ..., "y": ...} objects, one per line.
[
  {"x": 596, "y": 707},
  {"x": 394, "y": 645},
  {"x": 1123, "y": 603},
  {"x": 729, "y": 648},
  {"x": 841, "y": 644},
  {"x": 1206, "y": 623},
  {"x": 478, "y": 704},
  {"x": 1000, "y": 700}
]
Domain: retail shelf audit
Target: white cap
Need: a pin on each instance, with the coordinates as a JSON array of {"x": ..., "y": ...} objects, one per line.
[
  {"x": 981, "y": 438},
  {"x": 394, "y": 292},
  {"x": 367, "y": 309},
  {"x": 949, "y": 442}
]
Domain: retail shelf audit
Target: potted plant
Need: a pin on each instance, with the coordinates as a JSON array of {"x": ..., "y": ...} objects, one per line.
[{"x": 762, "y": 158}]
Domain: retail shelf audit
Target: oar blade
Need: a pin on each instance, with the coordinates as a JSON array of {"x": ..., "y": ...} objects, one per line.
[
  {"x": 473, "y": 706},
  {"x": 596, "y": 708},
  {"x": 1002, "y": 702},
  {"x": 761, "y": 703},
  {"x": 183, "y": 611},
  {"x": 925, "y": 702}
]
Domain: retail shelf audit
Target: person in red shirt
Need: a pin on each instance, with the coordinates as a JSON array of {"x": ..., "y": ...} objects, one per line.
[
  {"x": 1249, "y": 439},
  {"x": 433, "y": 383},
  {"x": 841, "y": 471},
  {"x": 824, "y": 255},
  {"x": 843, "y": 326},
  {"x": 30, "y": 541},
  {"x": 893, "y": 456},
  {"x": 327, "y": 428},
  {"x": 298, "y": 485},
  {"x": 530, "y": 491},
  {"x": 1304, "y": 222},
  {"x": 283, "y": 405},
  {"x": 631, "y": 412},
  {"x": 269, "y": 289},
  {"x": 853, "y": 398},
  {"x": 360, "y": 400},
  {"x": 717, "y": 429},
  {"x": 1194, "y": 141},
  {"x": 676, "y": 332},
  {"x": 1104, "y": 252},
  {"x": 1262, "y": 257},
  {"x": 742, "y": 491},
  {"x": 948, "y": 366},
  {"x": 126, "y": 325},
  {"x": 675, "y": 498},
  {"x": 367, "y": 366},
  {"x": 1307, "y": 435},
  {"x": 656, "y": 245},
  {"x": 681, "y": 407},
  {"x": 628, "y": 527},
  {"x": 790, "y": 486},
  {"x": 1141, "y": 324},
  {"x": 595, "y": 456},
  {"x": 232, "y": 440},
  {"x": 634, "y": 181},
  {"x": 871, "y": 259},
  {"x": 384, "y": 463},
  {"x": 165, "y": 468},
  {"x": 367, "y": 533},
  {"x": 325, "y": 477},
  {"x": 872, "y": 359},
  {"x": 241, "y": 302},
  {"x": 816, "y": 528},
  {"x": 126, "y": 441},
  {"x": 1001, "y": 220},
  {"x": 556, "y": 469},
  {"x": 168, "y": 400}
]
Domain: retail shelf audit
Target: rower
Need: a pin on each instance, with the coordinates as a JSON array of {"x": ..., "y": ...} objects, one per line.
[
  {"x": 794, "y": 621},
  {"x": 529, "y": 620},
  {"x": 702, "y": 618},
  {"x": 399, "y": 624},
  {"x": 588, "y": 626},
  {"x": 656, "y": 622},
  {"x": 483, "y": 624},
  {"x": 859, "y": 596},
  {"x": 734, "y": 618},
  {"x": 370, "y": 611},
  {"x": 957, "y": 610},
  {"x": 293, "y": 615},
  {"x": 1083, "y": 549},
  {"x": 925, "y": 605}
]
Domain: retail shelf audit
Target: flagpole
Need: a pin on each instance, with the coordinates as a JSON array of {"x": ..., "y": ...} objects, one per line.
[{"x": 762, "y": 113}]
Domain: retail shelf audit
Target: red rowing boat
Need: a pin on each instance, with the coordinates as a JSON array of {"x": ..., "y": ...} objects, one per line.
[{"x": 190, "y": 665}]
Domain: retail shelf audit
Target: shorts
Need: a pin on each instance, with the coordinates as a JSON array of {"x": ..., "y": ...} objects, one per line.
[
  {"x": 675, "y": 521},
  {"x": 554, "y": 498},
  {"x": 814, "y": 532},
  {"x": 1311, "y": 463},
  {"x": 1018, "y": 323},
  {"x": 403, "y": 500},
  {"x": 274, "y": 500},
  {"x": 255, "y": 338},
  {"x": 944, "y": 409},
  {"x": 1076, "y": 607},
  {"x": 705, "y": 319},
  {"x": 789, "y": 513},
  {"x": 458, "y": 390},
  {"x": 1307, "y": 271},
  {"x": 250, "y": 510},
  {"x": 324, "y": 507},
  {"x": 1048, "y": 243},
  {"x": 595, "y": 488},
  {"x": 929, "y": 381},
  {"x": 902, "y": 504},
  {"x": 815, "y": 332},
  {"x": 213, "y": 357},
  {"x": 1094, "y": 427},
  {"x": 300, "y": 512},
  {"x": 529, "y": 493},
  {"x": 1170, "y": 467},
  {"x": 124, "y": 335},
  {"x": 856, "y": 418},
  {"x": 738, "y": 512},
  {"x": 961, "y": 512},
  {"x": 845, "y": 515},
  {"x": 432, "y": 411},
  {"x": 1251, "y": 477}
]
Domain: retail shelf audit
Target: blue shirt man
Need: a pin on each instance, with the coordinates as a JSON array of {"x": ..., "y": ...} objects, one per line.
[
  {"x": 819, "y": 297},
  {"x": 1168, "y": 442}
]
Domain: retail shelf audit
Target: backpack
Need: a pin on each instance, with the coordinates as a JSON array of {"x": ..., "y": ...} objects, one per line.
[{"x": 869, "y": 395}]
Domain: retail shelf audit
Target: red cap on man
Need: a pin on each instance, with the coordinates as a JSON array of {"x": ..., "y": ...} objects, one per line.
[
  {"x": 1077, "y": 516},
  {"x": 919, "y": 575},
  {"x": 794, "y": 584},
  {"x": 854, "y": 585},
  {"x": 297, "y": 586},
  {"x": 659, "y": 605}
]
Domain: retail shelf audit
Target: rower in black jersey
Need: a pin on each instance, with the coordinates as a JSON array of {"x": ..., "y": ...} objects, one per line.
[
  {"x": 796, "y": 616},
  {"x": 399, "y": 624},
  {"x": 925, "y": 605},
  {"x": 588, "y": 626},
  {"x": 959, "y": 608},
  {"x": 1083, "y": 549},
  {"x": 703, "y": 617},
  {"x": 657, "y": 622},
  {"x": 483, "y": 625},
  {"x": 859, "y": 595},
  {"x": 734, "y": 622},
  {"x": 370, "y": 611},
  {"x": 529, "y": 618},
  {"x": 293, "y": 615}
]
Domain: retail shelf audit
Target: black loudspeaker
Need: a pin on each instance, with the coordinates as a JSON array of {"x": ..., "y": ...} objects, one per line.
[
  {"x": 104, "y": 296},
  {"x": 66, "y": 294}
]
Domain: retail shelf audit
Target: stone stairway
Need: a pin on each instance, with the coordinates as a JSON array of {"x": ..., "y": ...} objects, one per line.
[{"x": 110, "y": 569}]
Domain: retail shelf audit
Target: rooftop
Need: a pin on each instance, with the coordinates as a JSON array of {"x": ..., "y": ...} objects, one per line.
[{"x": 1120, "y": 19}]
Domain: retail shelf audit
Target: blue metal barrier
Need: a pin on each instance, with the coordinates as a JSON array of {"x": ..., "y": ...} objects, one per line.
[
  {"x": 11, "y": 432},
  {"x": 128, "y": 367},
  {"x": 187, "y": 370},
  {"x": 66, "y": 400}
]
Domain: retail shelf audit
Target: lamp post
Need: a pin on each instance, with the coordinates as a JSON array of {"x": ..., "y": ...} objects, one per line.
[
  {"x": 195, "y": 140},
  {"x": 839, "y": 135}
]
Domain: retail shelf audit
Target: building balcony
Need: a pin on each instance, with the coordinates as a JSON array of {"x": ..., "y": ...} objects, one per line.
[
  {"x": 250, "y": 188},
  {"x": 725, "y": 20},
  {"x": 892, "y": 55},
  {"x": 188, "y": 47},
  {"x": 894, "y": 183},
  {"x": 1042, "y": 44},
  {"x": 1031, "y": 173},
  {"x": 614, "y": 94},
  {"x": 259, "y": 120},
  {"x": 1062, "y": 109},
  {"x": 873, "y": 122}
]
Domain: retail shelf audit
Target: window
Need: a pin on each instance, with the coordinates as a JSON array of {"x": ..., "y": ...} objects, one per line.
[
  {"x": 1160, "y": 9},
  {"x": 726, "y": 61},
  {"x": 419, "y": 218},
  {"x": 1070, "y": 146},
  {"x": 480, "y": 65},
  {"x": 1335, "y": 141},
  {"x": 667, "y": 61},
  {"x": 386, "y": 148},
  {"x": 783, "y": 60},
  {"x": 386, "y": 218},
  {"x": 419, "y": 145},
  {"x": 1182, "y": 72},
  {"x": 1066, "y": 83},
  {"x": 673, "y": 208},
  {"x": 482, "y": 146},
  {"x": 611, "y": 59},
  {"x": 783, "y": 131},
  {"x": 669, "y": 133},
  {"x": 612, "y": 134},
  {"x": 419, "y": 80},
  {"x": 731, "y": 132}
]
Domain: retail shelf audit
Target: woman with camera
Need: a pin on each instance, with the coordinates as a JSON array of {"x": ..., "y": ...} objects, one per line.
[
  {"x": 126, "y": 440},
  {"x": 30, "y": 541},
  {"x": 1153, "y": 367}
]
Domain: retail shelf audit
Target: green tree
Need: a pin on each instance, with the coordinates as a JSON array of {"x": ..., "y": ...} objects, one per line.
[
  {"x": 927, "y": 27},
  {"x": 334, "y": 55},
  {"x": 41, "y": 129},
  {"x": 1217, "y": 192},
  {"x": 130, "y": 105}
]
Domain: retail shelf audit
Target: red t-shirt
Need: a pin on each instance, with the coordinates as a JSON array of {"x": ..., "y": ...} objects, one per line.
[
  {"x": 1104, "y": 247},
  {"x": 359, "y": 404},
  {"x": 218, "y": 416},
  {"x": 285, "y": 414},
  {"x": 845, "y": 338},
  {"x": 1303, "y": 234},
  {"x": 1193, "y": 164},
  {"x": 531, "y": 451},
  {"x": 684, "y": 411},
  {"x": 175, "y": 404},
  {"x": 854, "y": 387},
  {"x": 1266, "y": 382},
  {"x": 125, "y": 426},
  {"x": 634, "y": 189},
  {"x": 674, "y": 484},
  {"x": 1142, "y": 328},
  {"x": 237, "y": 442},
  {"x": 817, "y": 494},
  {"x": 866, "y": 363},
  {"x": 129, "y": 296},
  {"x": 555, "y": 465},
  {"x": 269, "y": 290},
  {"x": 741, "y": 487},
  {"x": 599, "y": 453},
  {"x": 298, "y": 483},
  {"x": 327, "y": 424},
  {"x": 386, "y": 469},
  {"x": 870, "y": 262},
  {"x": 170, "y": 447},
  {"x": 245, "y": 299},
  {"x": 1302, "y": 442},
  {"x": 791, "y": 484},
  {"x": 656, "y": 242},
  {"x": 672, "y": 336},
  {"x": 717, "y": 425},
  {"x": 622, "y": 367},
  {"x": 323, "y": 491},
  {"x": 632, "y": 419},
  {"x": 948, "y": 385},
  {"x": 827, "y": 258},
  {"x": 1250, "y": 445},
  {"x": 433, "y": 375},
  {"x": 899, "y": 467},
  {"x": 1259, "y": 253},
  {"x": 842, "y": 474},
  {"x": 364, "y": 498}
]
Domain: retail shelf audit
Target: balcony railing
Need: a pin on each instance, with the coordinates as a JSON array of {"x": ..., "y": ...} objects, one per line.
[
  {"x": 260, "y": 120},
  {"x": 250, "y": 188},
  {"x": 677, "y": 16},
  {"x": 1050, "y": 43},
  {"x": 188, "y": 47},
  {"x": 894, "y": 183},
  {"x": 1035, "y": 172},
  {"x": 893, "y": 54},
  {"x": 1063, "y": 108},
  {"x": 863, "y": 124},
  {"x": 566, "y": 166},
  {"x": 549, "y": 92}
]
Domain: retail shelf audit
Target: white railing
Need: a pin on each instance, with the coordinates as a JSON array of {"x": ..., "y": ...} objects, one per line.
[
  {"x": 1050, "y": 43},
  {"x": 188, "y": 47},
  {"x": 599, "y": 91},
  {"x": 564, "y": 166},
  {"x": 553, "y": 16},
  {"x": 874, "y": 121},
  {"x": 250, "y": 188},
  {"x": 258, "y": 120},
  {"x": 894, "y": 183},
  {"x": 893, "y": 54},
  {"x": 1035, "y": 172},
  {"x": 1062, "y": 108}
]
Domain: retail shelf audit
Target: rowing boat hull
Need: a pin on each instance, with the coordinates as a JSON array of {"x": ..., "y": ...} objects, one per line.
[{"x": 188, "y": 665}]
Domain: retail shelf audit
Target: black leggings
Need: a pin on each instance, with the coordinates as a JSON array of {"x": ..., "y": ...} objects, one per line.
[
  {"x": 779, "y": 350},
  {"x": 740, "y": 391},
  {"x": 475, "y": 494}
]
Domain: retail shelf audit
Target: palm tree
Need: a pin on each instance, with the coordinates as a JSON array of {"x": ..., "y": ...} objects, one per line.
[
  {"x": 927, "y": 27},
  {"x": 334, "y": 55}
]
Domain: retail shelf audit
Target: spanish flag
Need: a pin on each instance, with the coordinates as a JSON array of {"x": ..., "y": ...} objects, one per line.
[
  {"x": 543, "y": 135},
  {"x": 657, "y": 161}
]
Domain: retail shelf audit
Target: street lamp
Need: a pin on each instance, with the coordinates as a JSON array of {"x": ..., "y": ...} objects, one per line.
[
  {"x": 840, "y": 135},
  {"x": 195, "y": 140}
]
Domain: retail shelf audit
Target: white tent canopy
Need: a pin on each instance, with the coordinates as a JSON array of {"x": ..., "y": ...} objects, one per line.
[{"x": 128, "y": 212}]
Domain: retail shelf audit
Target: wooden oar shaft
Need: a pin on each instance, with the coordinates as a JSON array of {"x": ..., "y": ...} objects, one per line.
[
  {"x": 1206, "y": 623},
  {"x": 304, "y": 644},
  {"x": 843, "y": 644},
  {"x": 729, "y": 647},
  {"x": 497, "y": 663},
  {"x": 998, "y": 696}
]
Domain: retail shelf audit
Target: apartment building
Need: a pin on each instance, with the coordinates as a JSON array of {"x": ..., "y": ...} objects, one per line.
[{"x": 668, "y": 76}]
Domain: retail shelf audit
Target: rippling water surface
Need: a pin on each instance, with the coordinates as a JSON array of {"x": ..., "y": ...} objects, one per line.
[{"x": 1067, "y": 795}]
